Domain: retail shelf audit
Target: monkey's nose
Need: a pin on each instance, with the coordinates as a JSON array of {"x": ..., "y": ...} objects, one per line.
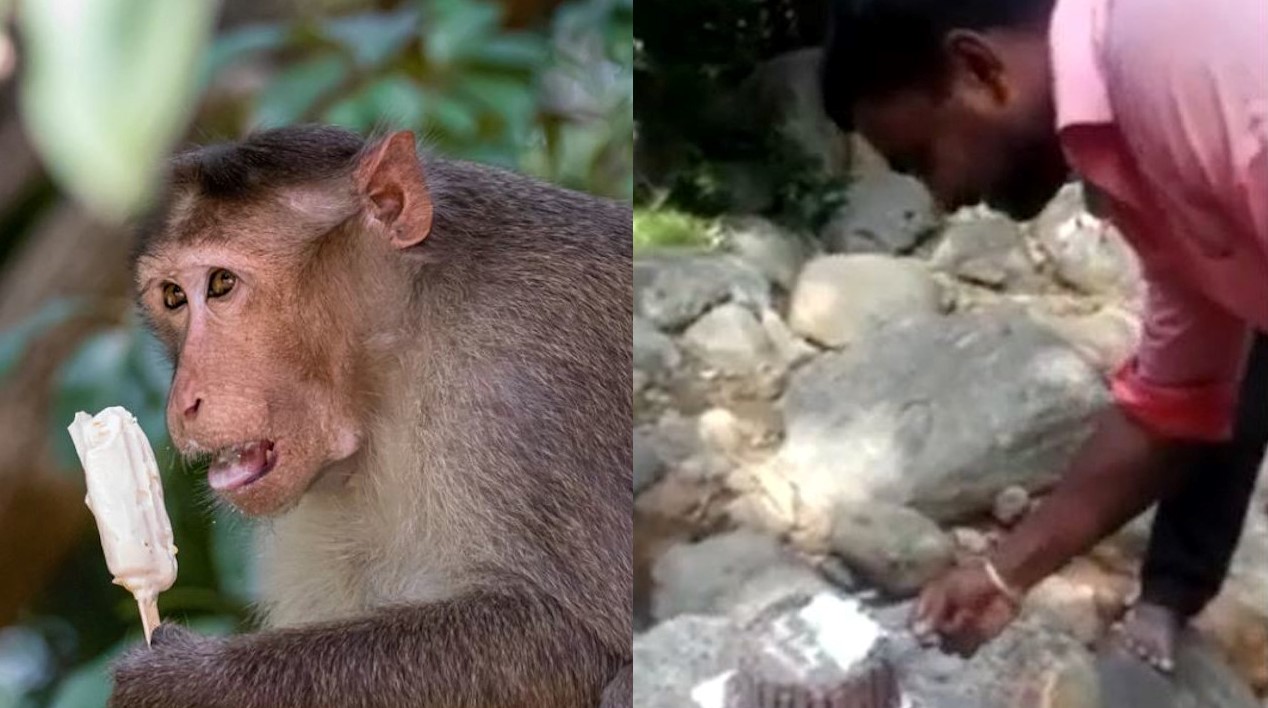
[{"x": 192, "y": 410}]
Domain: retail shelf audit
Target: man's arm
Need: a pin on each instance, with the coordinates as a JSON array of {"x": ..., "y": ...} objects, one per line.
[
  {"x": 1121, "y": 470},
  {"x": 1179, "y": 390},
  {"x": 477, "y": 650}
]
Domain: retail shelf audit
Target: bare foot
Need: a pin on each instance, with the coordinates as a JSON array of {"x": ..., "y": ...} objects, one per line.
[{"x": 1149, "y": 631}]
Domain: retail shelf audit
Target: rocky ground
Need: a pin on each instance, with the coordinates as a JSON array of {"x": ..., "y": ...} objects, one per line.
[{"x": 855, "y": 410}]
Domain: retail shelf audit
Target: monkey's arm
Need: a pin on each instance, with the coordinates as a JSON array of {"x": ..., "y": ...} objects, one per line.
[{"x": 481, "y": 649}]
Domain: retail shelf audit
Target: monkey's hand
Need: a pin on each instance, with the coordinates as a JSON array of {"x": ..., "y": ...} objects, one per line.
[{"x": 176, "y": 670}]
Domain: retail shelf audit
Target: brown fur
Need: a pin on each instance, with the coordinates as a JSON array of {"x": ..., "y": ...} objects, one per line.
[{"x": 474, "y": 549}]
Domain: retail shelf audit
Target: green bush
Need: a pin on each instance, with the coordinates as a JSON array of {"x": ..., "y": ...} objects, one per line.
[{"x": 665, "y": 228}]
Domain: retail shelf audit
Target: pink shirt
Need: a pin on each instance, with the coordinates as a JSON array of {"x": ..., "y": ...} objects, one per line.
[{"x": 1163, "y": 105}]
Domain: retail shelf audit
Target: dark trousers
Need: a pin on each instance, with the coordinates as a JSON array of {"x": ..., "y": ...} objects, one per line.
[{"x": 1197, "y": 527}]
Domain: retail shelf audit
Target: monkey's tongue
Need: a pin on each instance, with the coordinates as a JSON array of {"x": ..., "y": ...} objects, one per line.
[{"x": 240, "y": 465}]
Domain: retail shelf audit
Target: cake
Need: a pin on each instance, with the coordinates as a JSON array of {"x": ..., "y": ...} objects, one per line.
[{"x": 819, "y": 652}]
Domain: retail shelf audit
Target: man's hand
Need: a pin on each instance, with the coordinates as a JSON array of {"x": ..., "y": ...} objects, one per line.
[
  {"x": 168, "y": 673},
  {"x": 1119, "y": 472},
  {"x": 964, "y": 609}
]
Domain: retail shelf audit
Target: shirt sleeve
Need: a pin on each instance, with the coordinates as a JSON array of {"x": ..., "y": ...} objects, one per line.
[{"x": 1184, "y": 379}]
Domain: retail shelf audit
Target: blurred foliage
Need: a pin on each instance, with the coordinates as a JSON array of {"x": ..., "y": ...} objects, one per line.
[
  {"x": 702, "y": 145},
  {"x": 554, "y": 99},
  {"x": 556, "y": 102},
  {"x": 105, "y": 90},
  {"x": 83, "y": 621},
  {"x": 665, "y": 228}
]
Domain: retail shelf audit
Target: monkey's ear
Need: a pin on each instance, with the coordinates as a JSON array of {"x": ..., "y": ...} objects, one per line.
[{"x": 390, "y": 178}]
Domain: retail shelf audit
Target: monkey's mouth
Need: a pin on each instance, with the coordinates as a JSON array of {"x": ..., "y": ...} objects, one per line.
[{"x": 236, "y": 466}]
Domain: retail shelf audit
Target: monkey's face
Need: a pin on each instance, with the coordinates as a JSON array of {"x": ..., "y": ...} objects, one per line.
[{"x": 261, "y": 383}]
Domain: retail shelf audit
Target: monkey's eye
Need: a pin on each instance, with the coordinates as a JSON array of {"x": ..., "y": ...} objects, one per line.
[
  {"x": 173, "y": 296},
  {"x": 222, "y": 281}
]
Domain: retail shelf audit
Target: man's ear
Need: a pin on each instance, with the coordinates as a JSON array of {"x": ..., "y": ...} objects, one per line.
[{"x": 394, "y": 190}]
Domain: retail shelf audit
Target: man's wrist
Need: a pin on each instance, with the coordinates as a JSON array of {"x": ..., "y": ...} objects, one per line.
[{"x": 1013, "y": 593}]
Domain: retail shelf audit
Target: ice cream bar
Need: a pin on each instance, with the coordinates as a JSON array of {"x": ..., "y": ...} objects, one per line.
[{"x": 125, "y": 495}]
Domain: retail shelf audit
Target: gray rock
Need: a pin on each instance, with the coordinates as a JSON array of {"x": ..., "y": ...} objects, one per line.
[
  {"x": 783, "y": 96},
  {"x": 731, "y": 341},
  {"x": 772, "y": 585},
  {"x": 987, "y": 251},
  {"x": 1106, "y": 338},
  {"x": 710, "y": 577},
  {"x": 865, "y": 160},
  {"x": 674, "y": 658},
  {"x": 838, "y": 574},
  {"x": 792, "y": 349},
  {"x": 939, "y": 414},
  {"x": 674, "y": 437},
  {"x": 884, "y": 213},
  {"x": 892, "y": 547},
  {"x": 1087, "y": 253},
  {"x": 970, "y": 540},
  {"x": 1201, "y": 680},
  {"x": 654, "y": 353},
  {"x": 774, "y": 251},
  {"x": 1068, "y": 606},
  {"x": 673, "y": 290},
  {"x": 648, "y": 467},
  {"x": 676, "y": 440},
  {"x": 1030, "y": 664},
  {"x": 1010, "y": 505},
  {"x": 838, "y": 300}
]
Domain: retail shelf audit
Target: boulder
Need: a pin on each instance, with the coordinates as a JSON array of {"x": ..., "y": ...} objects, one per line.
[
  {"x": 792, "y": 350},
  {"x": 731, "y": 341},
  {"x": 1086, "y": 253},
  {"x": 675, "y": 658},
  {"x": 891, "y": 547},
  {"x": 648, "y": 467},
  {"x": 782, "y": 96},
  {"x": 884, "y": 212},
  {"x": 733, "y": 571},
  {"x": 672, "y": 290},
  {"x": 654, "y": 353},
  {"x": 988, "y": 251},
  {"x": 769, "y": 248},
  {"x": 1069, "y": 606},
  {"x": 940, "y": 414},
  {"x": 1201, "y": 680},
  {"x": 676, "y": 440},
  {"x": 1106, "y": 338},
  {"x": 839, "y": 300}
]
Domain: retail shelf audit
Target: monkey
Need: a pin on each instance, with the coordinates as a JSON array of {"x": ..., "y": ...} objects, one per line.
[{"x": 415, "y": 372}]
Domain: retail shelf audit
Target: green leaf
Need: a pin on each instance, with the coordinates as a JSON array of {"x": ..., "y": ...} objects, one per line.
[
  {"x": 150, "y": 372},
  {"x": 231, "y": 549},
  {"x": 512, "y": 101},
  {"x": 93, "y": 378},
  {"x": 454, "y": 27},
  {"x": 455, "y": 118},
  {"x": 150, "y": 362},
  {"x": 90, "y": 684},
  {"x": 294, "y": 91},
  {"x": 664, "y": 228},
  {"x": 237, "y": 44},
  {"x": 372, "y": 38},
  {"x": 9, "y": 697},
  {"x": 394, "y": 101},
  {"x": 15, "y": 340},
  {"x": 107, "y": 86},
  {"x": 512, "y": 51}
]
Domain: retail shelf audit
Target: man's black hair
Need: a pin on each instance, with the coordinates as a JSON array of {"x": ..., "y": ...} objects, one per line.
[{"x": 876, "y": 47}]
